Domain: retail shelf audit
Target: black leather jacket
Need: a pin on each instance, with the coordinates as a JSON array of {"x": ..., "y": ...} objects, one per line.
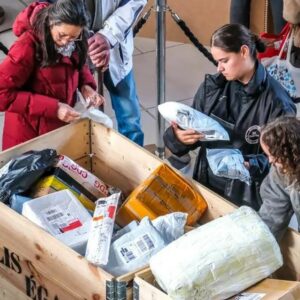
[{"x": 241, "y": 110}]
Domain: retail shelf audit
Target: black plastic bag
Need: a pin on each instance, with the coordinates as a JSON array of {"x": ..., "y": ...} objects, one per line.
[{"x": 19, "y": 174}]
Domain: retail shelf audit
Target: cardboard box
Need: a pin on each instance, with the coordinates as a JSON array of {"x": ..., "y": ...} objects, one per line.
[
  {"x": 146, "y": 288},
  {"x": 34, "y": 264}
]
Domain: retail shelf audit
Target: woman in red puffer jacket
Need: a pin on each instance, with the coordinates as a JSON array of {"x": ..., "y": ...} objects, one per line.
[{"x": 43, "y": 70}]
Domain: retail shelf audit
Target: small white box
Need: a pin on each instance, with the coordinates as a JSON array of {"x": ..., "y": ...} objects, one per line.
[{"x": 63, "y": 216}]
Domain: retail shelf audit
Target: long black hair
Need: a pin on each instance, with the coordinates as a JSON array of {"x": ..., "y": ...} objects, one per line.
[
  {"x": 72, "y": 12},
  {"x": 231, "y": 37}
]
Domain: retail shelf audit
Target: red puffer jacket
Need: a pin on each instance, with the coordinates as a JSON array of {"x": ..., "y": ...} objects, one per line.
[{"x": 29, "y": 94}]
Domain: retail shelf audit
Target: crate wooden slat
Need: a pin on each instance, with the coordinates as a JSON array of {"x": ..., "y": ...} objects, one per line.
[
  {"x": 146, "y": 288},
  {"x": 8, "y": 291}
]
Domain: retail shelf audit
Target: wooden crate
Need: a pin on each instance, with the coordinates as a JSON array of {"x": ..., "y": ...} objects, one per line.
[
  {"x": 146, "y": 288},
  {"x": 34, "y": 264}
]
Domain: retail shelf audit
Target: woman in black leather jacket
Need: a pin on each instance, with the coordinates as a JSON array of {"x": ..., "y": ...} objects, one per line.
[{"x": 241, "y": 97}]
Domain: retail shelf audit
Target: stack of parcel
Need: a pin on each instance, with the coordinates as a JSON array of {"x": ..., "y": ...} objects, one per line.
[{"x": 36, "y": 264}]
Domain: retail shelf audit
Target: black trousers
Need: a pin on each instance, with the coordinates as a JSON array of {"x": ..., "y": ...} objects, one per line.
[{"x": 240, "y": 13}]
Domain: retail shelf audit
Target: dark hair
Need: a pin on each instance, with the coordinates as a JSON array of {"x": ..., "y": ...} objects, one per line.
[
  {"x": 72, "y": 12},
  {"x": 232, "y": 37},
  {"x": 282, "y": 137}
]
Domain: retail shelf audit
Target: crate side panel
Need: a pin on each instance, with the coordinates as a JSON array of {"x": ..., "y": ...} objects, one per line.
[
  {"x": 71, "y": 140},
  {"x": 119, "y": 160},
  {"x": 9, "y": 292},
  {"x": 47, "y": 256},
  {"x": 24, "y": 278}
]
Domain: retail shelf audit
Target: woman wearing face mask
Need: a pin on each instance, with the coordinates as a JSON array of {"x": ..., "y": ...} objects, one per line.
[
  {"x": 280, "y": 190},
  {"x": 241, "y": 97},
  {"x": 43, "y": 69}
]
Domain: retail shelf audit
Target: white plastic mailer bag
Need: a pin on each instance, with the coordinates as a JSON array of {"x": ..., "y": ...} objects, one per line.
[
  {"x": 171, "y": 226},
  {"x": 189, "y": 118},
  {"x": 228, "y": 163},
  {"x": 63, "y": 216},
  {"x": 92, "y": 113},
  {"x": 219, "y": 259},
  {"x": 134, "y": 249}
]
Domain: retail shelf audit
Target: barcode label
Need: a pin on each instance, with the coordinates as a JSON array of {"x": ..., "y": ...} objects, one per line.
[
  {"x": 137, "y": 248},
  {"x": 148, "y": 241},
  {"x": 59, "y": 220},
  {"x": 127, "y": 254},
  {"x": 142, "y": 245},
  {"x": 54, "y": 217},
  {"x": 145, "y": 243},
  {"x": 51, "y": 212}
]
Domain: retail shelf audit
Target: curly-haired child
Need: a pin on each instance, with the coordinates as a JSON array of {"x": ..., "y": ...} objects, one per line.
[{"x": 280, "y": 190}]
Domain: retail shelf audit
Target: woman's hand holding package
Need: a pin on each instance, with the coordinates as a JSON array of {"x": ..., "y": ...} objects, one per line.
[
  {"x": 66, "y": 113},
  {"x": 188, "y": 136},
  {"x": 91, "y": 97}
]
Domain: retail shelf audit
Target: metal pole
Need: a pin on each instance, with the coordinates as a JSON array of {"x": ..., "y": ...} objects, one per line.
[{"x": 161, "y": 71}]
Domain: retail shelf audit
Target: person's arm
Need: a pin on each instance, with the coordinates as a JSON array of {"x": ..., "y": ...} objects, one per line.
[
  {"x": 86, "y": 78},
  {"x": 117, "y": 26},
  {"x": 115, "y": 30},
  {"x": 276, "y": 210},
  {"x": 15, "y": 71},
  {"x": 87, "y": 87},
  {"x": 258, "y": 165}
]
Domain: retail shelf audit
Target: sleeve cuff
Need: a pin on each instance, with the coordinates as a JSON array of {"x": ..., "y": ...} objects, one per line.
[{"x": 107, "y": 32}]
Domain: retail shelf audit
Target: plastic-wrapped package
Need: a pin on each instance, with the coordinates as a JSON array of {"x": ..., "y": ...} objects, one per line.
[
  {"x": 88, "y": 180},
  {"x": 171, "y": 226},
  {"x": 63, "y": 216},
  {"x": 134, "y": 249},
  {"x": 20, "y": 173},
  {"x": 189, "y": 118},
  {"x": 102, "y": 226},
  {"x": 163, "y": 192},
  {"x": 132, "y": 225},
  {"x": 228, "y": 163},
  {"x": 92, "y": 113},
  {"x": 218, "y": 259},
  {"x": 17, "y": 202}
]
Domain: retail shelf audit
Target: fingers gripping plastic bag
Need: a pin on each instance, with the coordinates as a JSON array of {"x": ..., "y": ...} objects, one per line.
[
  {"x": 92, "y": 113},
  {"x": 20, "y": 173},
  {"x": 188, "y": 118},
  {"x": 228, "y": 163}
]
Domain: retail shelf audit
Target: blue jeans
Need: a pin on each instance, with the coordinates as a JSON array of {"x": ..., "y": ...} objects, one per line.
[{"x": 126, "y": 106}]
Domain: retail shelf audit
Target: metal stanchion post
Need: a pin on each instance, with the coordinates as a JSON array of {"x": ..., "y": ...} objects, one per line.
[{"x": 161, "y": 71}]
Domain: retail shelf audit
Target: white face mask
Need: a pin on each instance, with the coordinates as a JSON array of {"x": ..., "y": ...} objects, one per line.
[{"x": 67, "y": 49}]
